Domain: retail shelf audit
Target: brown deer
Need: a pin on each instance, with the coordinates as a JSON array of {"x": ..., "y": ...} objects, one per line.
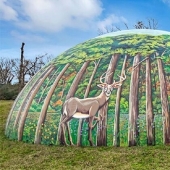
[{"x": 87, "y": 108}]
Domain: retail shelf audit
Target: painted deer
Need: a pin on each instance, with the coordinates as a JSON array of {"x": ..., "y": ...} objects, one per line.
[{"x": 87, "y": 108}]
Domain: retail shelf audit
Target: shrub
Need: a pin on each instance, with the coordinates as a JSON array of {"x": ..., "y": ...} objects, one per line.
[{"x": 8, "y": 91}]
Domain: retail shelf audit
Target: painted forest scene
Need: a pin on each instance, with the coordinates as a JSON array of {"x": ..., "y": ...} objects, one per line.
[{"x": 135, "y": 112}]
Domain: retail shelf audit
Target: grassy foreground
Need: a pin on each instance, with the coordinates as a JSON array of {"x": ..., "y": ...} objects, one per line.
[{"x": 19, "y": 155}]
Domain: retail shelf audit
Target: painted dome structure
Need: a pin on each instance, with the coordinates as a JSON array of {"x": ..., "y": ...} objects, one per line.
[{"x": 78, "y": 98}]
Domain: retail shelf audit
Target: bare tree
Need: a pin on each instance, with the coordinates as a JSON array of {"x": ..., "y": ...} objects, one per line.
[
  {"x": 151, "y": 24},
  {"x": 6, "y": 70},
  {"x": 32, "y": 66},
  {"x": 21, "y": 70},
  {"x": 26, "y": 68}
]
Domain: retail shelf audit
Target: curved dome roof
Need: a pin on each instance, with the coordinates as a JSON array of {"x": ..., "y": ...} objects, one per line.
[
  {"x": 137, "y": 31},
  {"x": 140, "y": 56}
]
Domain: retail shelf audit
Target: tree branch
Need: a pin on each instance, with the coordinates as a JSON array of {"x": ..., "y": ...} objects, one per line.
[{"x": 134, "y": 67}]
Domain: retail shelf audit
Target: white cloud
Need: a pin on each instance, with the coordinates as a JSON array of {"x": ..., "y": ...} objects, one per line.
[
  {"x": 6, "y": 11},
  {"x": 54, "y": 15},
  {"x": 111, "y": 20}
]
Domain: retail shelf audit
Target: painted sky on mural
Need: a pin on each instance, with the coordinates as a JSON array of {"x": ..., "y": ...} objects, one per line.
[{"x": 53, "y": 26}]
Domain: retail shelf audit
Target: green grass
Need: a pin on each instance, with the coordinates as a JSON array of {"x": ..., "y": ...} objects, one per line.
[{"x": 19, "y": 155}]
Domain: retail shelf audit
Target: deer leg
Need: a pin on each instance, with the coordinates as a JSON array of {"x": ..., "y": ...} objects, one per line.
[
  {"x": 63, "y": 131},
  {"x": 69, "y": 134},
  {"x": 90, "y": 130},
  {"x": 97, "y": 120},
  {"x": 92, "y": 113},
  {"x": 65, "y": 123}
]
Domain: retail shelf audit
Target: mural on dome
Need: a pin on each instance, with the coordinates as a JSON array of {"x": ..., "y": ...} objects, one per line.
[{"x": 113, "y": 90}]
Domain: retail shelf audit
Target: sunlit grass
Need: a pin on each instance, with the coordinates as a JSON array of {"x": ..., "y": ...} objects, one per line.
[{"x": 19, "y": 155}]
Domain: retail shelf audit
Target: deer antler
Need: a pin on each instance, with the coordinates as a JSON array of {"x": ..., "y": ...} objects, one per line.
[
  {"x": 101, "y": 77},
  {"x": 119, "y": 83}
]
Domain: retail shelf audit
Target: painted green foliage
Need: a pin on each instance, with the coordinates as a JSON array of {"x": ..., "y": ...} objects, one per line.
[{"x": 93, "y": 50}]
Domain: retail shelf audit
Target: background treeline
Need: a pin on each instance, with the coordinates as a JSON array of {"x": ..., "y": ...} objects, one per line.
[
  {"x": 15, "y": 73},
  {"x": 8, "y": 91}
]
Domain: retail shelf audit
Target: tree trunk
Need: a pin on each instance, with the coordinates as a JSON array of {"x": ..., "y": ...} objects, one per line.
[
  {"x": 21, "y": 72},
  {"x": 47, "y": 85},
  {"x": 11, "y": 112},
  {"x": 70, "y": 94},
  {"x": 133, "y": 104},
  {"x": 15, "y": 103},
  {"x": 76, "y": 81},
  {"x": 79, "y": 135},
  {"x": 102, "y": 125},
  {"x": 164, "y": 101},
  {"x": 116, "y": 139},
  {"x": 28, "y": 96},
  {"x": 28, "y": 102},
  {"x": 149, "y": 106},
  {"x": 43, "y": 113}
]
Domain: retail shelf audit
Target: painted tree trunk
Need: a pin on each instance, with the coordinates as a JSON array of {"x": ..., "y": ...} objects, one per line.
[
  {"x": 79, "y": 136},
  {"x": 164, "y": 101},
  {"x": 70, "y": 94},
  {"x": 102, "y": 125},
  {"x": 11, "y": 111},
  {"x": 77, "y": 79},
  {"x": 15, "y": 103},
  {"x": 27, "y": 96},
  {"x": 133, "y": 104},
  {"x": 43, "y": 113},
  {"x": 149, "y": 106},
  {"x": 52, "y": 77},
  {"x": 116, "y": 136},
  {"x": 28, "y": 104}
]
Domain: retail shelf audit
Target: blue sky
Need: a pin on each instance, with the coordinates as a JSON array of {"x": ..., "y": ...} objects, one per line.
[{"x": 53, "y": 26}]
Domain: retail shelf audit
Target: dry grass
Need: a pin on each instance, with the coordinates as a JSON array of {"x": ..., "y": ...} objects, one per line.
[{"x": 19, "y": 155}]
